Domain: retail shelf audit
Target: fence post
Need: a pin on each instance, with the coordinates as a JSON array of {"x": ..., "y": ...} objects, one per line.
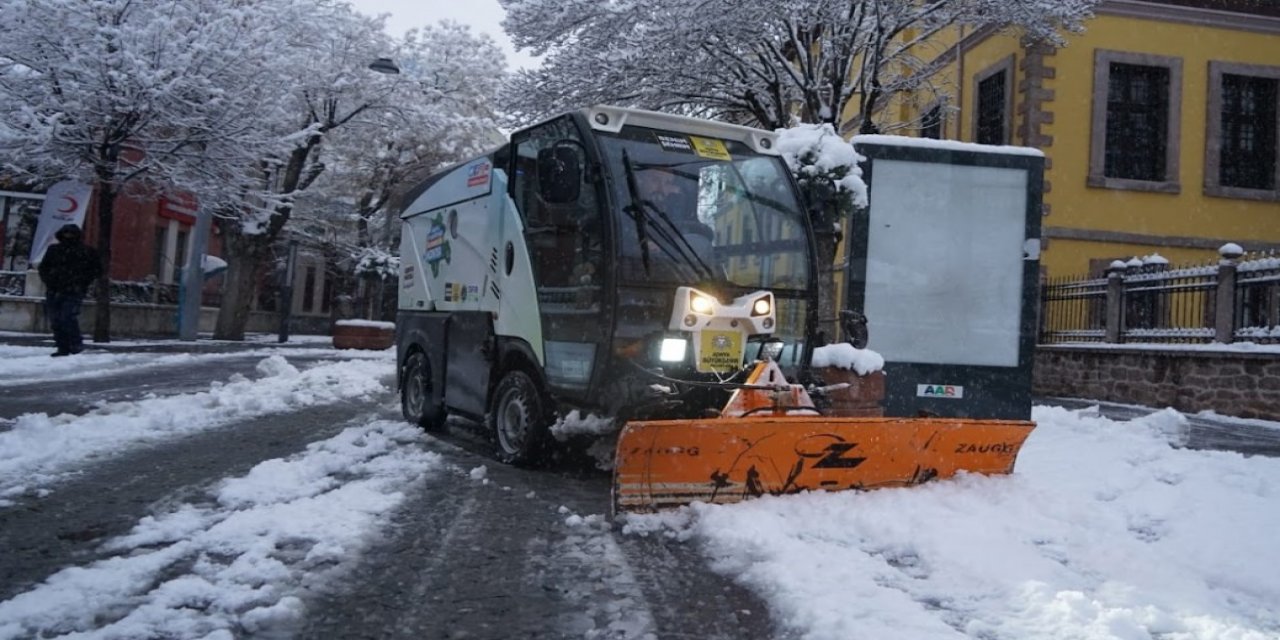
[
  {"x": 1224, "y": 317},
  {"x": 1115, "y": 300}
]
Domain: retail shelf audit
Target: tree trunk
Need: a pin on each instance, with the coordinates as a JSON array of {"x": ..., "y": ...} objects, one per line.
[
  {"x": 244, "y": 256},
  {"x": 828, "y": 314},
  {"x": 106, "y": 212}
]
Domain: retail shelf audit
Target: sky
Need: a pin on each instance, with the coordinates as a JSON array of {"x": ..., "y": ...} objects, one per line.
[
  {"x": 1106, "y": 530},
  {"x": 484, "y": 16}
]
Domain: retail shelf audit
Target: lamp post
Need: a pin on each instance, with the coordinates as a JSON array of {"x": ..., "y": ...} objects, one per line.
[
  {"x": 286, "y": 290},
  {"x": 385, "y": 65},
  {"x": 193, "y": 278}
]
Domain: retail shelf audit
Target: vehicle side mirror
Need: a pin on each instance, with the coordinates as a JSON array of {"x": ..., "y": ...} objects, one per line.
[{"x": 559, "y": 174}]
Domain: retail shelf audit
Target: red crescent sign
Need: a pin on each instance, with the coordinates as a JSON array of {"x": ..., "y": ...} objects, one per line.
[{"x": 73, "y": 206}]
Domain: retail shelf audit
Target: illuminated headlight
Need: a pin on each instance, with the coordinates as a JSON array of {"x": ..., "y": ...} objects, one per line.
[
  {"x": 701, "y": 304},
  {"x": 762, "y": 307},
  {"x": 673, "y": 349}
]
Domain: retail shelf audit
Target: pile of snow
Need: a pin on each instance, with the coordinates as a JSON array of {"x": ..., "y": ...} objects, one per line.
[
  {"x": 576, "y": 423},
  {"x": 816, "y": 151},
  {"x": 24, "y": 365},
  {"x": 843, "y": 355},
  {"x": 40, "y": 448},
  {"x": 237, "y": 565},
  {"x": 1103, "y": 531}
]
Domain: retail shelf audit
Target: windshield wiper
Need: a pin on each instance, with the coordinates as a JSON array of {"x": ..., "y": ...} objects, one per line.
[
  {"x": 636, "y": 211},
  {"x": 671, "y": 236}
]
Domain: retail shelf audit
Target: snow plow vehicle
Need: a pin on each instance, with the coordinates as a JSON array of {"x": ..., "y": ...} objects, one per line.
[{"x": 658, "y": 271}]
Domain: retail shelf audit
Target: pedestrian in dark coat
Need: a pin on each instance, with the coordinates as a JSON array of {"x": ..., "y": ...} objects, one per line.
[{"x": 68, "y": 268}]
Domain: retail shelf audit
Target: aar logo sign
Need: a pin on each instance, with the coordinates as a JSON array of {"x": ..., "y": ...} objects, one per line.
[
  {"x": 437, "y": 246},
  {"x": 944, "y": 391}
]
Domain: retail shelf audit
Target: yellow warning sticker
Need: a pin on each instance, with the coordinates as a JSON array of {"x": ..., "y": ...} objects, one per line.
[
  {"x": 710, "y": 148},
  {"x": 720, "y": 351}
]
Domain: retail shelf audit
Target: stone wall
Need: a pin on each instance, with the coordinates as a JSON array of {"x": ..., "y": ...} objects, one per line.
[{"x": 1233, "y": 383}]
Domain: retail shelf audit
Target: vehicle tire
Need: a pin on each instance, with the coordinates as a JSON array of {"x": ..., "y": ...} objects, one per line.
[
  {"x": 415, "y": 394},
  {"x": 517, "y": 419}
]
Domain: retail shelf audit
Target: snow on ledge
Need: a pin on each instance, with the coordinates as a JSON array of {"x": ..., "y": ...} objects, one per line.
[
  {"x": 372, "y": 324},
  {"x": 949, "y": 145},
  {"x": 844, "y": 356}
]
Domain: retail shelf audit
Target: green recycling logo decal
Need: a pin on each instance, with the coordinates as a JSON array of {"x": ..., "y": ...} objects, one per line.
[{"x": 437, "y": 246}]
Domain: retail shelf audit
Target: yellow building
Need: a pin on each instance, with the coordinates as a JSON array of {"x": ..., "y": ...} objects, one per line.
[{"x": 1159, "y": 123}]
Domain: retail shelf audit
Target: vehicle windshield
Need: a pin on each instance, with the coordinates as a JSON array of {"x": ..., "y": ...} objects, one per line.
[{"x": 698, "y": 210}]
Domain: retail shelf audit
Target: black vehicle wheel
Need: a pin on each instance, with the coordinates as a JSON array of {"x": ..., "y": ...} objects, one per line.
[
  {"x": 416, "y": 402},
  {"x": 517, "y": 419}
]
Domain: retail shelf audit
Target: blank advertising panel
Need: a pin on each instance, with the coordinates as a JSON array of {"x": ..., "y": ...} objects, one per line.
[{"x": 945, "y": 262}]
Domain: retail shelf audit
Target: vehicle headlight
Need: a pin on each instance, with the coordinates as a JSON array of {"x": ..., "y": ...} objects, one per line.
[
  {"x": 673, "y": 349},
  {"x": 701, "y": 304},
  {"x": 762, "y": 307}
]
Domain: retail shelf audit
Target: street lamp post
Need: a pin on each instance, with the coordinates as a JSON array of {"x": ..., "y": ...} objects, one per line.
[
  {"x": 193, "y": 277},
  {"x": 286, "y": 291}
]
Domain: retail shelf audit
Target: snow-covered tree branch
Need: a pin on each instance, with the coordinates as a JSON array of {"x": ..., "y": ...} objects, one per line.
[{"x": 755, "y": 61}]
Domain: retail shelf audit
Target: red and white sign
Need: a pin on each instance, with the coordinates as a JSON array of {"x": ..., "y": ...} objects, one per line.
[
  {"x": 478, "y": 174},
  {"x": 65, "y": 203}
]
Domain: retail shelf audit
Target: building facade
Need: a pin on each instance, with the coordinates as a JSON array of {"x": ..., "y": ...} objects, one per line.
[{"x": 1160, "y": 124}]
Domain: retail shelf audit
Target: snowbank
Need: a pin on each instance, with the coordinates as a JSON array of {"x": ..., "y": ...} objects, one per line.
[{"x": 1103, "y": 531}]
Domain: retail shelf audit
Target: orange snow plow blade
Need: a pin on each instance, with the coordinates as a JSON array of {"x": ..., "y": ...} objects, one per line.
[{"x": 669, "y": 463}]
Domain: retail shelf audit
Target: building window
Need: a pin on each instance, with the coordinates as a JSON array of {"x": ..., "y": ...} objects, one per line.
[
  {"x": 993, "y": 103},
  {"x": 1136, "y": 117},
  {"x": 931, "y": 123},
  {"x": 19, "y": 215},
  {"x": 1137, "y": 122},
  {"x": 180, "y": 254},
  {"x": 1244, "y": 126},
  {"x": 159, "y": 263},
  {"x": 309, "y": 290}
]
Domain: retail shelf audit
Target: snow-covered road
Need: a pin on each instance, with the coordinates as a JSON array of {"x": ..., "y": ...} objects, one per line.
[
  {"x": 38, "y": 449},
  {"x": 301, "y": 519}
]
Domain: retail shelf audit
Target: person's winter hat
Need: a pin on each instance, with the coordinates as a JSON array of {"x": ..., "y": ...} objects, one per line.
[{"x": 69, "y": 233}]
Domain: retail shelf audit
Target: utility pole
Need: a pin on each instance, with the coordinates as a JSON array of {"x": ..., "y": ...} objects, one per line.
[
  {"x": 286, "y": 291},
  {"x": 193, "y": 278}
]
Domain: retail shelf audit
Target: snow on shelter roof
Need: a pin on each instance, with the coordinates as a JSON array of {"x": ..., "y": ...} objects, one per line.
[
  {"x": 949, "y": 145},
  {"x": 613, "y": 119}
]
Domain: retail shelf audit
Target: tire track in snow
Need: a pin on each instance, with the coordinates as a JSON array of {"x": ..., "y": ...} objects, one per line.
[
  {"x": 108, "y": 498},
  {"x": 235, "y": 564},
  {"x": 41, "y": 450}
]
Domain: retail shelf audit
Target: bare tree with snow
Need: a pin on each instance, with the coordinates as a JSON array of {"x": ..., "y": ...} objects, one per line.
[
  {"x": 770, "y": 63},
  {"x": 126, "y": 95},
  {"x": 334, "y": 110},
  {"x": 765, "y": 62}
]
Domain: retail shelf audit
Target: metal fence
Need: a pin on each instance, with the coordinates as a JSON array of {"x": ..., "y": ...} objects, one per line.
[
  {"x": 1236, "y": 299},
  {"x": 14, "y": 283}
]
